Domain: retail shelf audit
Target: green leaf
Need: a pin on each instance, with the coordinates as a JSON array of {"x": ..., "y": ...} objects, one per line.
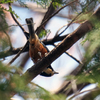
[{"x": 43, "y": 33}]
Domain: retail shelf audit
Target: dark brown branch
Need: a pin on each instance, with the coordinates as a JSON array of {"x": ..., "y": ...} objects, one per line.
[
  {"x": 53, "y": 40},
  {"x": 25, "y": 33},
  {"x": 24, "y": 60},
  {"x": 11, "y": 52},
  {"x": 72, "y": 56},
  {"x": 46, "y": 20},
  {"x": 92, "y": 94},
  {"x": 49, "y": 12},
  {"x": 15, "y": 51},
  {"x": 18, "y": 53}
]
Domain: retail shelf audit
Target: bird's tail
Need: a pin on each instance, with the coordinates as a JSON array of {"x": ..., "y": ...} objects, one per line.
[{"x": 30, "y": 27}]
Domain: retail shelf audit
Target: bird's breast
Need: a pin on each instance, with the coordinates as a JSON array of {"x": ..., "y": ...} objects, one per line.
[{"x": 37, "y": 52}]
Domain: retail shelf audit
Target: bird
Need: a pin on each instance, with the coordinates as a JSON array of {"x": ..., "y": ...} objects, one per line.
[{"x": 37, "y": 50}]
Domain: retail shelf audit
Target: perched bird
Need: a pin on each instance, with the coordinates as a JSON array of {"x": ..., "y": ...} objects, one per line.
[{"x": 37, "y": 50}]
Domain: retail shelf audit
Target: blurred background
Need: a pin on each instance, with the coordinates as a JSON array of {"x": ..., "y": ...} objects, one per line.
[{"x": 64, "y": 64}]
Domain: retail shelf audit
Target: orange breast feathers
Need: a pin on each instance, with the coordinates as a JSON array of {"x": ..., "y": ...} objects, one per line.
[{"x": 36, "y": 49}]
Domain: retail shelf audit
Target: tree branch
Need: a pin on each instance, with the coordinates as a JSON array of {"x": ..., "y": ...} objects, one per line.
[
  {"x": 53, "y": 40},
  {"x": 49, "y": 12},
  {"x": 77, "y": 70},
  {"x": 46, "y": 42},
  {"x": 25, "y": 33},
  {"x": 90, "y": 90},
  {"x": 67, "y": 42},
  {"x": 71, "y": 56},
  {"x": 60, "y": 49},
  {"x": 26, "y": 44},
  {"x": 46, "y": 20}
]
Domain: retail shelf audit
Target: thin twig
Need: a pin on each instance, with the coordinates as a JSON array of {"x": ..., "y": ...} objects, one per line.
[
  {"x": 54, "y": 15},
  {"x": 25, "y": 33},
  {"x": 77, "y": 93},
  {"x": 60, "y": 29},
  {"x": 70, "y": 23},
  {"x": 73, "y": 20},
  {"x": 74, "y": 58},
  {"x": 49, "y": 12},
  {"x": 71, "y": 56},
  {"x": 18, "y": 53},
  {"x": 16, "y": 50},
  {"x": 18, "y": 25}
]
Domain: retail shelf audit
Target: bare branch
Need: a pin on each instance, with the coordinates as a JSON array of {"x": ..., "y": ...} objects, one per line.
[
  {"x": 49, "y": 12},
  {"x": 73, "y": 20},
  {"x": 18, "y": 53},
  {"x": 69, "y": 24},
  {"x": 18, "y": 25},
  {"x": 25, "y": 33},
  {"x": 46, "y": 20},
  {"x": 15, "y": 51},
  {"x": 90, "y": 90},
  {"x": 11, "y": 52},
  {"x": 78, "y": 69},
  {"x": 53, "y": 40},
  {"x": 72, "y": 56}
]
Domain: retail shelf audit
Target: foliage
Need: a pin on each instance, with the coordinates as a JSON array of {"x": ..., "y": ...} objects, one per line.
[
  {"x": 8, "y": 82},
  {"x": 4, "y": 41},
  {"x": 3, "y": 23},
  {"x": 6, "y": 1},
  {"x": 11, "y": 83},
  {"x": 43, "y": 3},
  {"x": 43, "y": 33},
  {"x": 92, "y": 54},
  {"x": 90, "y": 73}
]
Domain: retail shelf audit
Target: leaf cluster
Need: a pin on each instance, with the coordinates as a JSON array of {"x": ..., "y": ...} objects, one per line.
[
  {"x": 11, "y": 83},
  {"x": 90, "y": 73}
]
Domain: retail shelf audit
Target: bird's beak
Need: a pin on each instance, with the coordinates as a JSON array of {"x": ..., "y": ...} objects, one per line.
[{"x": 56, "y": 73}]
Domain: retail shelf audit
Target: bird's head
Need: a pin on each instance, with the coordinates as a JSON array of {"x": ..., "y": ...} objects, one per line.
[{"x": 48, "y": 72}]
